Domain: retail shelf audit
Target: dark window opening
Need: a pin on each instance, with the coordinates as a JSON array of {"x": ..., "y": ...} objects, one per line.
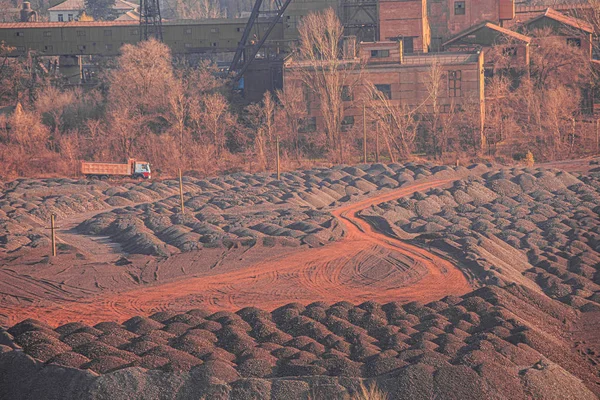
[
  {"x": 347, "y": 94},
  {"x": 385, "y": 90},
  {"x": 408, "y": 45},
  {"x": 308, "y": 125},
  {"x": 60, "y": 18},
  {"x": 80, "y": 33},
  {"x": 454, "y": 83},
  {"x": 509, "y": 51},
  {"x": 347, "y": 123},
  {"x": 459, "y": 8},
  {"x": 380, "y": 53},
  {"x": 574, "y": 42}
]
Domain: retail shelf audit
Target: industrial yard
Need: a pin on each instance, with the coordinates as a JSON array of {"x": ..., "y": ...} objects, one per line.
[
  {"x": 411, "y": 276},
  {"x": 273, "y": 200}
]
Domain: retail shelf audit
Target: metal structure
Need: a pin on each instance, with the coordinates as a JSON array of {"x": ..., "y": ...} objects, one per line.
[
  {"x": 246, "y": 52},
  {"x": 150, "y": 20},
  {"x": 361, "y": 19}
]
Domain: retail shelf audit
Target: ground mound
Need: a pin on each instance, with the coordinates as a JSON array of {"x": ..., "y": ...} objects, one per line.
[{"x": 491, "y": 343}]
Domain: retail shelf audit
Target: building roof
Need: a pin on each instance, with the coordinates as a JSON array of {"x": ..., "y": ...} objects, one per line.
[
  {"x": 77, "y": 5},
  {"x": 69, "y": 5},
  {"x": 131, "y": 15},
  {"x": 563, "y": 19},
  {"x": 491, "y": 26}
]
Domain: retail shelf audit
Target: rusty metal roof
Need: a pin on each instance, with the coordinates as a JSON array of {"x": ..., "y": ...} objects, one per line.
[
  {"x": 492, "y": 26},
  {"x": 564, "y": 19}
]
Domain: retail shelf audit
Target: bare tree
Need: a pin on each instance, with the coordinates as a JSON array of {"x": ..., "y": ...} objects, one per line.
[
  {"x": 325, "y": 73},
  {"x": 215, "y": 119},
  {"x": 292, "y": 110},
  {"x": 396, "y": 122}
]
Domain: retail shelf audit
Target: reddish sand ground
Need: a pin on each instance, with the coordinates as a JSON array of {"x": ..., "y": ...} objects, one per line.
[{"x": 363, "y": 265}]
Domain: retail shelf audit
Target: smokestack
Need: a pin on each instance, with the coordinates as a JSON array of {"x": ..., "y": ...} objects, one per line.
[{"x": 27, "y": 14}]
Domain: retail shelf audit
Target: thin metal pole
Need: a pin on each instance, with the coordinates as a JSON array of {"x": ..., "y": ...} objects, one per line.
[
  {"x": 52, "y": 230},
  {"x": 277, "y": 156},
  {"x": 376, "y": 141},
  {"x": 598, "y": 136},
  {"x": 364, "y": 133},
  {"x": 181, "y": 192}
]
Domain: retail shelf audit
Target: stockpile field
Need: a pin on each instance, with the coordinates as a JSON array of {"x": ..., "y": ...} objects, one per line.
[{"x": 424, "y": 281}]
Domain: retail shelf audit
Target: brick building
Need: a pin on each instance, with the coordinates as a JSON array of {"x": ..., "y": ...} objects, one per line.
[
  {"x": 502, "y": 48},
  {"x": 401, "y": 78}
]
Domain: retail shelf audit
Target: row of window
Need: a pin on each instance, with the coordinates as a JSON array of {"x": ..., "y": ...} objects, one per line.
[
  {"x": 385, "y": 90},
  {"x": 61, "y": 17}
]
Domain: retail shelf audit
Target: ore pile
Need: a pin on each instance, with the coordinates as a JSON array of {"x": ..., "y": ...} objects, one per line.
[
  {"x": 492, "y": 343},
  {"x": 550, "y": 217},
  {"x": 245, "y": 208}
]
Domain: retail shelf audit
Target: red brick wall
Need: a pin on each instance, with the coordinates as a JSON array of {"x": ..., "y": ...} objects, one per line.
[
  {"x": 445, "y": 23},
  {"x": 404, "y": 18}
]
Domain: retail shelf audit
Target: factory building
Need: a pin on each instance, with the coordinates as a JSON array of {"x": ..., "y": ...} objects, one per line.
[{"x": 404, "y": 79}]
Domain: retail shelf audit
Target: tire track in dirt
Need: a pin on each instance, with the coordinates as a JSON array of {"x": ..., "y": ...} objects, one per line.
[{"x": 331, "y": 273}]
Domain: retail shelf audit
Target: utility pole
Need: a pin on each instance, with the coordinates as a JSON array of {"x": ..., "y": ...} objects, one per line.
[
  {"x": 277, "y": 157},
  {"x": 376, "y": 141},
  {"x": 53, "y": 234},
  {"x": 598, "y": 136},
  {"x": 181, "y": 192},
  {"x": 364, "y": 133}
]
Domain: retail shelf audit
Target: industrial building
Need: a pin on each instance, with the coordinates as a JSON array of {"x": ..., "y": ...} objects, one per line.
[{"x": 260, "y": 44}]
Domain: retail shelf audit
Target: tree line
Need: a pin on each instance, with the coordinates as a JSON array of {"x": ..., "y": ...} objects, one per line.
[{"x": 175, "y": 114}]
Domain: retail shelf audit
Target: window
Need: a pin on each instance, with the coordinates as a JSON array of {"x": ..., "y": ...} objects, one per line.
[
  {"x": 47, "y": 34},
  {"x": 109, "y": 46},
  {"x": 459, "y": 8},
  {"x": 60, "y": 18},
  {"x": 107, "y": 32},
  {"x": 380, "y": 53},
  {"x": 454, "y": 83},
  {"x": 214, "y": 30},
  {"x": 20, "y": 33},
  {"x": 347, "y": 123},
  {"x": 80, "y": 33},
  {"x": 70, "y": 17},
  {"x": 187, "y": 31},
  {"x": 574, "y": 42},
  {"x": 214, "y": 44},
  {"x": 385, "y": 90},
  {"x": 347, "y": 94},
  {"x": 308, "y": 125},
  {"x": 21, "y": 49},
  {"x": 307, "y": 98},
  {"x": 134, "y": 32},
  {"x": 407, "y": 45},
  {"x": 48, "y": 48},
  {"x": 187, "y": 45},
  {"x": 81, "y": 47},
  {"x": 240, "y": 29},
  {"x": 509, "y": 51}
]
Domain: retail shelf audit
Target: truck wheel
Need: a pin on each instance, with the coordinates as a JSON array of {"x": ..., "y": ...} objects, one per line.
[{"x": 93, "y": 177}]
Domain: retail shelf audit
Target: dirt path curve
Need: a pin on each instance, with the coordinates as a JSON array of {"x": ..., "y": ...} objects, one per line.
[{"x": 363, "y": 265}]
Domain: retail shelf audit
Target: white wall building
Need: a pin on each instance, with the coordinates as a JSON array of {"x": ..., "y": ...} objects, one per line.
[{"x": 70, "y": 10}]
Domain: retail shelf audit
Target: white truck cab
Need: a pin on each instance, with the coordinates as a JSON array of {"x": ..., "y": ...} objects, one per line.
[{"x": 141, "y": 169}]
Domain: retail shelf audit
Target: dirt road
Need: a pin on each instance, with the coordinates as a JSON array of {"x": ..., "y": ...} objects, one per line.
[{"x": 363, "y": 265}]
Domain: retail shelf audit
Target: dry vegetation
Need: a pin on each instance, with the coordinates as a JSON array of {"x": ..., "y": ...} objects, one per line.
[{"x": 177, "y": 115}]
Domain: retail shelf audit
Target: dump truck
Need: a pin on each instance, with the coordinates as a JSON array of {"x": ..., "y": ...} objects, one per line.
[{"x": 102, "y": 170}]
